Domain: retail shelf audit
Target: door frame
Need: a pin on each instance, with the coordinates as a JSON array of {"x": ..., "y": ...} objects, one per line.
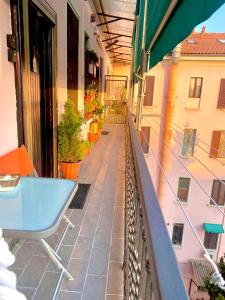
[{"x": 20, "y": 29}]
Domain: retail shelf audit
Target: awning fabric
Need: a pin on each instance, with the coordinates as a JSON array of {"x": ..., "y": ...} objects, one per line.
[
  {"x": 137, "y": 8},
  {"x": 213, "y": 228},
  {"x": 133, "y": 48},
  {"x": 186, "y": 15},
  {"x": 140, "y": 34}
]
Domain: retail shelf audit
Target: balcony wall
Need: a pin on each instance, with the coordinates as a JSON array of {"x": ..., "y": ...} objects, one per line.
[{"x": 8, "y": 123}]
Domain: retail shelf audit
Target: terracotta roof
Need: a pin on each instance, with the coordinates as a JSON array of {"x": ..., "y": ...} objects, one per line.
[{"x": 204, "y": 43}]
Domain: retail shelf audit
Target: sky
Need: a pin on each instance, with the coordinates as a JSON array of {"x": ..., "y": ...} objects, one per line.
[{"x": 216, "y": 23}]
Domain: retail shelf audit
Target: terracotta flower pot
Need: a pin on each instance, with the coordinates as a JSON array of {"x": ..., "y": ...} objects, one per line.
[
  {"x": 92, "y": 137},
  {"x": 87, "y": 99},
  {"x": 87, "y": 116},
  {"x": 99, "y": 132},
  {"x": 94, "y": 127},
  {"x": 70, "y": 170}
]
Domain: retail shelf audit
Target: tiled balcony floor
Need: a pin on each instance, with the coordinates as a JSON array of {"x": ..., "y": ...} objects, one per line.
[{"x": 93, "y": 250}]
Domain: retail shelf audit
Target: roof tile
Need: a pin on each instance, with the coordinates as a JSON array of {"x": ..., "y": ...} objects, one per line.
[{"x": 205, "y": 43}]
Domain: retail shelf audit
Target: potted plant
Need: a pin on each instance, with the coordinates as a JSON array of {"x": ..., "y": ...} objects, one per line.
[
  {"x": 90, "y": 94},
  {"x": 71, "y": 148},
  {"x": 100, "y": 125},
  {"x": 88, "y": 110}
]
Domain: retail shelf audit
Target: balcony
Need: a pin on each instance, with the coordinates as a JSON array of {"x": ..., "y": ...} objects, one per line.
[{"x": 121, "y": 189}]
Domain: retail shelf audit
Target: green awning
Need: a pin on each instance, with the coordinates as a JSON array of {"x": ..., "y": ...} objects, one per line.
[
  {"x": 185, "y": 16},
  {"x": 213, "y": 228},
  {"x": 137, "y": 8},
  {"x": 133, "y": 49},
  {"x": 139, "y": 35}
]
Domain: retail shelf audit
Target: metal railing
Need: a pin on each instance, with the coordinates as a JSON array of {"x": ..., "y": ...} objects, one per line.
[{"x": 150, "y": 266}]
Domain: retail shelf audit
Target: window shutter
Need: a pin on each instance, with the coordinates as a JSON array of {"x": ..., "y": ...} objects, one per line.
[
  {"x": 215, "y": 143},
  {"x": 145, "y": 138},
  {"x": 150, "y": 82},
  {"x": 221, "y": 100}
]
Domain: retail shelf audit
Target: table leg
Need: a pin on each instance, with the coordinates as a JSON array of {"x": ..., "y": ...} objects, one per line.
[
  {"x": 68, "y": 221},
  {"x": 54, "y": 258}
]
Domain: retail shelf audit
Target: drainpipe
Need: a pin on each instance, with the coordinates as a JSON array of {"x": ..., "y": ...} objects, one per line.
[{"x": 168, "y": 113}]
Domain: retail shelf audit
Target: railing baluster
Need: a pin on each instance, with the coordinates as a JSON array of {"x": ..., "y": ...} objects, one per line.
[{"x": 142, "y": 267}]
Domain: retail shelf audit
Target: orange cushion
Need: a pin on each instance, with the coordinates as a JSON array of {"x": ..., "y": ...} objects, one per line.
[{"x": 16, "y": 162}]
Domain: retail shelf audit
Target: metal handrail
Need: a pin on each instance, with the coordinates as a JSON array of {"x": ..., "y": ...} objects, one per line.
[{"x": 166, "y": 279}]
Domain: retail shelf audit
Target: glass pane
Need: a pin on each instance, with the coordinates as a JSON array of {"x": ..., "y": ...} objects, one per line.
[
  {"x": 198, "y": 87},
  {"x": 192, "y": 87},
  {"x": 177, "y": 233},
  {"x": 210, "y": 241},
  {"x": 188, "y": 142},
  {"x": 183, "y": 188}
]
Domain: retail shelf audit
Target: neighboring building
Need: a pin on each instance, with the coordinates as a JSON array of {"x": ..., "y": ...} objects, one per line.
[
  {"x": 184, "y": 108},
  {"x": 41, "y": 68}
]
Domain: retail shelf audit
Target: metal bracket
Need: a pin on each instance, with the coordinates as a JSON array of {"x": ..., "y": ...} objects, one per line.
[
  {"x": 12, "y": 55},
  {"x": 11, "y": 41}
]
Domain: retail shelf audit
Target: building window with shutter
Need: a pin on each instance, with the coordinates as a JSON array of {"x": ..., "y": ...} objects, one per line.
[
  {"x": 218, "y": 192},
  {"x": 183, "y": 188},
  {"x": 177, "y": 235},
  {"x": 188, "y": 142},
  {"x": 221, "y": 99},
  {"x": 149, "y": 90},
  {"x": 218, "y": 144},
  {"x": 210, "y": 240},
  {"x": 195, "y": 87},
  {"x": 145, "y": 138}
]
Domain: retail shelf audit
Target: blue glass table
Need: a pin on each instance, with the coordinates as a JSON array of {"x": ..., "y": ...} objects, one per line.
[{"x": 34, "y": 209}]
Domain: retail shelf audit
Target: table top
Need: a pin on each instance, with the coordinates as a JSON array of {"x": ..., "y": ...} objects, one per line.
[{"x": 35, "y": 207}]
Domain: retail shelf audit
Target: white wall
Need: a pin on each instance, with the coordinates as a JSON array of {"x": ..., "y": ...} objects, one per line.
[
  {"x": 8, "y": 121},
  {"x": 8, "y": 124},
  {"x": 83, "y": 10}
]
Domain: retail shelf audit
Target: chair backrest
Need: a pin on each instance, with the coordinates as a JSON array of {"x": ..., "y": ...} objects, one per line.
[{"x": 16, "y": 162}]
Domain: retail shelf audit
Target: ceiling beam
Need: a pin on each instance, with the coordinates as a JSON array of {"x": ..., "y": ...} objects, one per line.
[
  {"x": 120, "y": 52},
  {"x": 125, "y": 46},
  {"x": 122, "y": 59},
  {"x": 115, "y": 37},
  {"x": 124, "y": 35},
  {"x": 115, "y": 56},
  {"x": 111, "y": 44},
  {"x": 113, "y": 49},
  {"x": 111, "y": 21},
  {"x": 113, "y": 16}
]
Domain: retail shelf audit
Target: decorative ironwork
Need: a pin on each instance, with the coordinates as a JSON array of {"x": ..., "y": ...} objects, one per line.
[
  {"x": 149, "y": 272},
  {"x": 115, "y": 99}
]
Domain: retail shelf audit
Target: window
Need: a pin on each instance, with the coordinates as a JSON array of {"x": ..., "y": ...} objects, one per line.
[
  {"x": 191, "y": 41},
  {"x": 210, "y": 240},
  {"x": 177, "y": 236},
  {"x": 183, "y": 188},
  {"x": 221, "y": 99},
  {"x": 195, "y": 87},
  {"x": 218, "y": 144},
  {"x": 218, "y": 192},
  {"x": 221, "y": 41},
  {"x": 188, "y": 142}
]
